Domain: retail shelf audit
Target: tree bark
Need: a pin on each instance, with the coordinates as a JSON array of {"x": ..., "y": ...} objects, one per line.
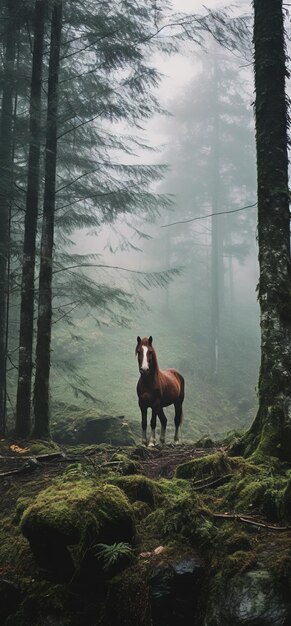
[
  {"x": 270, "y": 434},
  {"x": 6, "y": 142},
  {"x": 23, "y": 408},
  {"x": 41, "y": 387}
]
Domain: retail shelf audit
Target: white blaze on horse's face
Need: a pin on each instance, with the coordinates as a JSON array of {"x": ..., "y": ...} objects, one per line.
[{"x": 144, "y": 365}]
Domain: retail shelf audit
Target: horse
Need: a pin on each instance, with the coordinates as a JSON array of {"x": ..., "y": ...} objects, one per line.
[{"x": 157, "y": 389}]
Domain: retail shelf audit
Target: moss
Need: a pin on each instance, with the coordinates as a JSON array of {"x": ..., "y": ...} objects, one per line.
[
  {"x": 43, "y": 603},
  {"x": 128, "y": 599},
  {"x": 23, "y": 448},
  {"x": 22, "y": 503},
  {"x": 212, "y": 465},
  {"x": 205, "y": 442},
  {"x": 75, "y": 513},
  {"x": 186, "y": 517},
  {"x": 15, "y": 555},
  {"x": 141, "y": 510},
  {"x": 237, "y": 541},
  {"x": 174, "y": 488},
  {"x": 258, "y": 491},
  {"x": 238, "y": 562},
  {"x": 138, "y": 487},
  {"x": 125, "y": 465}
]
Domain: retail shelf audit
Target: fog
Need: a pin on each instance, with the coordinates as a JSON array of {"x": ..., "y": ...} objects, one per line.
[{"x": 205, "y": 322}]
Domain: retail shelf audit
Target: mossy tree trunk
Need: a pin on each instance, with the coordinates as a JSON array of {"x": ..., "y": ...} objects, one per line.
[
  {"x": 23, "y": 407},
  {"x": 42, "y": 371},
  {"x": 270, "y": 433}
]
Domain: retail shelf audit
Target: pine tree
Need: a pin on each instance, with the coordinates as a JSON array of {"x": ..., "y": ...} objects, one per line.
[
  {"x": 44, "y": 320},
  {"x": 6, "y": 159},
  {"x": 23, "y": 409},
  {"x": 270, "y": 433}
]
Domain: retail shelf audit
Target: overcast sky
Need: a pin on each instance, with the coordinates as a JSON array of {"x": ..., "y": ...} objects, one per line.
[{"x": 179, "y": 69}]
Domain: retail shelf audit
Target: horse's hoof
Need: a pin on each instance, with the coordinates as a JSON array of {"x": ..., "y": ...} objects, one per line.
[
  {"x": 152, "y": 444},
  {"x": 144, "y": 443},
  {"x": 176, "y": 442}
]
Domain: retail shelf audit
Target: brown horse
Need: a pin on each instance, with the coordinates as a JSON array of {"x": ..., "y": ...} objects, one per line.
[{"x": 157, "y": 389}]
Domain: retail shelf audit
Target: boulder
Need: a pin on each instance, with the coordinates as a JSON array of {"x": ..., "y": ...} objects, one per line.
[
  {"x": 174, "y": 591},
  {"x": 247, "y": 599},
  {"x": 75, "y": 514}
]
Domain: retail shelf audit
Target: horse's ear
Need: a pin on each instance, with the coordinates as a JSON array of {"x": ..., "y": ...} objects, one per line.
[
  {"x": 138, "y": 339},
  {"x": 150, "y": 340}
]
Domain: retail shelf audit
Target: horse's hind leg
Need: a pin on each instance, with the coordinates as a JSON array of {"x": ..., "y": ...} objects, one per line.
[
  {"x": 152, "y": 441},
  {"x": 143, "y": 423},
  {"x": 178, "y": 420},
  {"x": 163, "y": 421}
]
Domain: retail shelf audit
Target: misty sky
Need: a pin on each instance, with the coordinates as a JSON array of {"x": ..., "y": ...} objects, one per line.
[{"x": 178, "y": 69}]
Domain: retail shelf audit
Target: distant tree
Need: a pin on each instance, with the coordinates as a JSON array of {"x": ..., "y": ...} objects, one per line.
[
  {"x": 270, "y": 433},
  {"x": 213, "y": 173},
  {"x": 23, "y": 416},
  {"x": 9, "y": 18},
  {"x": 44, "y": 320}
]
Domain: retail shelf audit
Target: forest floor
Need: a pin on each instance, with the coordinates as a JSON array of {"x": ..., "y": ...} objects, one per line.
[
  {"x": 155, "y": 462},
  {"x": 229, "y": 510}
]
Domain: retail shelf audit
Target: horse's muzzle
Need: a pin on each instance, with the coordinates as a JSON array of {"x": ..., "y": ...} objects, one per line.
[{"x": 143, "y": 371}]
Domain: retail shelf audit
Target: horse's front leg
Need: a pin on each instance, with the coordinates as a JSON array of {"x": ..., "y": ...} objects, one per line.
[
  {"x": 143, "y": 422},
  {"x": 152, "y": 441}
]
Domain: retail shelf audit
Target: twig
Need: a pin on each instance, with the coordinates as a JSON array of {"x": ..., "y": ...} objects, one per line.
[
  {"x": 248, "y": 520},
  {"x": 203, "y": 484}
]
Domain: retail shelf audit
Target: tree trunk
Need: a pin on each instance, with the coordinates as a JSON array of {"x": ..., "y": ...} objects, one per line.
[
  {"x": 6, "y": 137},
  {"x": 23, "y": 408},
  {"x": 41, "y": 387},
  {"x": 270, "y": 433}
]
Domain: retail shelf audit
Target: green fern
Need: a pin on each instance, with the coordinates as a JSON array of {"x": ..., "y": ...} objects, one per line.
[{"x": 110, "y": 554}]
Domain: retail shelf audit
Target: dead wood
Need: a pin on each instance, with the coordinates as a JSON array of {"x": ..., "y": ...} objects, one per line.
[{"x": 250, "y": 520}]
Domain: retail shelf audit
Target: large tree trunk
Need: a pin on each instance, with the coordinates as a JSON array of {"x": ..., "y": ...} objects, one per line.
[
  {"x": 23, "y": 409},
  {"x": 6, "y": 137},
  {"x": 41, "y": 387},
  {"x": 270, "y": 433}
]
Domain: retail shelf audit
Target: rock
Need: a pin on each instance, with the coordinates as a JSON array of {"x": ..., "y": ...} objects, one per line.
[
  {"x": 127, "y": 601},
  {"x": 107, "y": 429},
  {"x": 174, "y": 591},
  {"x": 248, "y": 599},
  {"x": 75, "y": 514},
  {"x": 10, "y": 597}
]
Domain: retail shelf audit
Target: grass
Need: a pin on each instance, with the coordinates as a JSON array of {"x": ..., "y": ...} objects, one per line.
[{"x": 109, "y": 366}]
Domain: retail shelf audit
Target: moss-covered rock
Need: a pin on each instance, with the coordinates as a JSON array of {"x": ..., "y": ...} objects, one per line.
[
  {"x": 75, "y": 513},
  {"x": 138, "y": 487},
  {"x": 211, "y": 465},
  {"x": 128, "y": 599},
  {"x": 79, "y": 427}
]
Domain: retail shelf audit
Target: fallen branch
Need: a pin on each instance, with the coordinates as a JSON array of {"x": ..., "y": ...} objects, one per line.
[
  {"x": 25, "y": 469},
  {"x": 52, "y": 456},
  {"x": 203, "y": 484},
  {"x": 249, "y": 520}
]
